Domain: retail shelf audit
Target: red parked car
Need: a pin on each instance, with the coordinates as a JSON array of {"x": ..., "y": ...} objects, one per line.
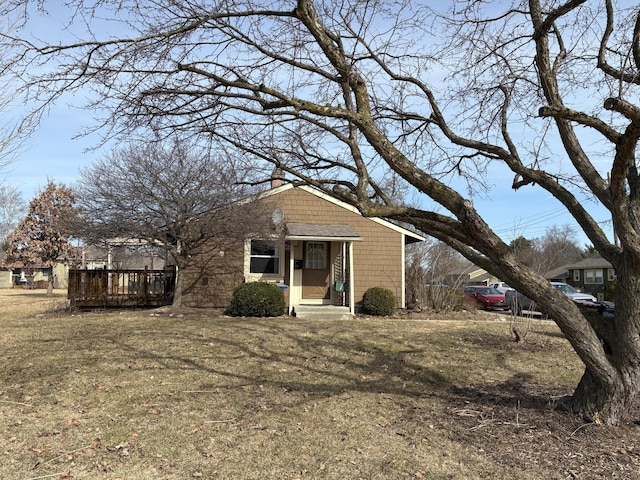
[{"x": 488, "y": 298}]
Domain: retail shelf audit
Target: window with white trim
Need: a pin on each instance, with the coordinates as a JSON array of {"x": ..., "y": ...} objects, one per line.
[
  {"x": 593, "y": 276},
  {"x": 576, "y": 275},
  {"x": 611, "y": 274},
  {"x": 264, "y": 257}
]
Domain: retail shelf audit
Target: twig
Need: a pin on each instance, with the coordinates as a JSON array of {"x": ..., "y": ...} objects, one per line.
[
  {"x": 46, "y": 476},
  {"x": 322, "y": 467},
  {"x": 17, "y": 403},
  {"x": 220, "y": 421},
  {"x": 579, "y": 428},
  {"x": 489, "y": 421},
  {"x": 482, "y": 424},
  {"x": 466, "y": 412},
  {"x": 66, "y": 453}
]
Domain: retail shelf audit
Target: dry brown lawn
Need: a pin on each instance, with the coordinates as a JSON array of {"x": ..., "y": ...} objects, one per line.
[{"x": 150, "y": 394}]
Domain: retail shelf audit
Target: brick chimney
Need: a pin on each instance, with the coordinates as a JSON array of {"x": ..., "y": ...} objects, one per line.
[{"x": 277, "y": 177}]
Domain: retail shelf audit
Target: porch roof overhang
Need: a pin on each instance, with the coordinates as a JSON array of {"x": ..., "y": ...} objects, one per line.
[{"x": 312, "y": 231}]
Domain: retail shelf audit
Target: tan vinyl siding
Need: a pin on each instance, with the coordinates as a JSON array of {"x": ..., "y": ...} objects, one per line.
[
  {"x": 212, "y": 276},
  {"x": 377, "y": 260}
]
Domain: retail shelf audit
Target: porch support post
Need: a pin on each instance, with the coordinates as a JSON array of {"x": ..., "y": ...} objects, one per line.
[
  {"x": 292, "y": 257},
  {"x": 352, "y": 306}
]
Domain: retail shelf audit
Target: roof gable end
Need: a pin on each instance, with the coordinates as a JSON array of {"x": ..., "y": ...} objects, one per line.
[{"x": 341, "y": 204}]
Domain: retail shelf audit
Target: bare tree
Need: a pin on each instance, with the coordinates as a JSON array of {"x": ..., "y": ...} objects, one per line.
[
  {"x": 41, "y": 239},
  {"x": 174, "y": 195},
  {"x": 12, "y": 208},
  {"x": 15, "y": 129},
  {"x": 342, "y": 94},
  {"x": 430, "y": 280},
  {"x": 557, "y": 248}
]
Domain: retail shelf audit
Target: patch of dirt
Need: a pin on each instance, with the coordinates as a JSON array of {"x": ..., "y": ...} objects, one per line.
[{"x": 518, "y": 426}]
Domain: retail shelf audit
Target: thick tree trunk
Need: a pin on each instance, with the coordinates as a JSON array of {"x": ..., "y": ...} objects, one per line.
[
  {"x": 177, "y": 293},
  {"x": 611, "y": 386},
  {"x": 50, "y": 283},
  {"x": 605, "y": 404}
]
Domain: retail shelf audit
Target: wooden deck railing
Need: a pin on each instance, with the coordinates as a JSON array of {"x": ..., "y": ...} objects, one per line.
[{"x": 106, "y": 288}]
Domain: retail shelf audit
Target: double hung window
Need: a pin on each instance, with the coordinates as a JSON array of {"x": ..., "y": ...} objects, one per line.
[
  {"x": 265, "y": 257},
  {"x": 593, "y": 276}
]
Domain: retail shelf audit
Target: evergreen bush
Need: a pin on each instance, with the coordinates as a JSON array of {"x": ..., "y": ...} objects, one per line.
[
  {"x": 379, "y": 301},
  {"x": 256, "y": 299}
]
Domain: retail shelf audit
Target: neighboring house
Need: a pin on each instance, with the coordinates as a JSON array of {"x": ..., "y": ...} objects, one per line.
[
  {"x": 560, "y": 274},
  {"x": 6, "y": 278},
  {"x": 470, "y": 275},
  {"x": 322, "y": 252},
  {"x": 592, "y": 275},
  {"x": 60, "y": 276},
  {"x": 89, "y": 258},
  {"x": 6, "y": 275},
  {"x": 34, "y": 277}
]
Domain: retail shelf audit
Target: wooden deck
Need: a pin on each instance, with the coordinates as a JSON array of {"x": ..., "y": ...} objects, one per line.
[{"x": 121, "y": 288}]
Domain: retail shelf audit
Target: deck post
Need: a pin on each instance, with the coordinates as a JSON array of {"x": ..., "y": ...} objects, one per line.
[{"x": 145, "y": 283}]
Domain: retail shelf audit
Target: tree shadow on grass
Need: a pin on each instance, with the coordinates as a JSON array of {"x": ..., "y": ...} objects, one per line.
[
  {"x": 307, "y": 360},
  {"x": 317, "y": 364}
]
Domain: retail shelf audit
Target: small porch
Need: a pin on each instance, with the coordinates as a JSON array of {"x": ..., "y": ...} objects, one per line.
[{"x": 319, "y": 270}]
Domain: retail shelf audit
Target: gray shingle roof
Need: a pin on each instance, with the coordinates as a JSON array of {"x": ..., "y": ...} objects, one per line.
[
  {"x": 303, "y": 231},
  {"x": 590, "y": 262}
]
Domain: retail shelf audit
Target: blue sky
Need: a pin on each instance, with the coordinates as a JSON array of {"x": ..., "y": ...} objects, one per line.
[{"x": 53, "y": 153}]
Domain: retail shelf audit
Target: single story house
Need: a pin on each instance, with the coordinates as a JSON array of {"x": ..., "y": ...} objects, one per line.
[
  {"x": 470, "y": 275},
  {"x": 322, "y": 252},
  {"x": 560, "y": 274},
  {"x": 34, "y": 277}
]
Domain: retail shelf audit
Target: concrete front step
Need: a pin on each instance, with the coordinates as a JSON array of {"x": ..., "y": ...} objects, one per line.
[{"x": 323, "y": 312}]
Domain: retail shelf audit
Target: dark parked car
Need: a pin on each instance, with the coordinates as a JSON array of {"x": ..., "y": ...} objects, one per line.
[
  {"x": 488, "y": 298},
  {"x": 521, "y": 304},
  {"x": 607, "y": 309}
]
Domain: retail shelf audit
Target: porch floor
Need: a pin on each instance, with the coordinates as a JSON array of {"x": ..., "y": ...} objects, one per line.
[{"x": 323, "y": 312}]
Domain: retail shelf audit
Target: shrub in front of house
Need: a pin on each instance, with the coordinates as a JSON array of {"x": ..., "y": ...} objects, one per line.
[
  {"x": 379, "y": 301},
  {"x": 256, "y": 299}
]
